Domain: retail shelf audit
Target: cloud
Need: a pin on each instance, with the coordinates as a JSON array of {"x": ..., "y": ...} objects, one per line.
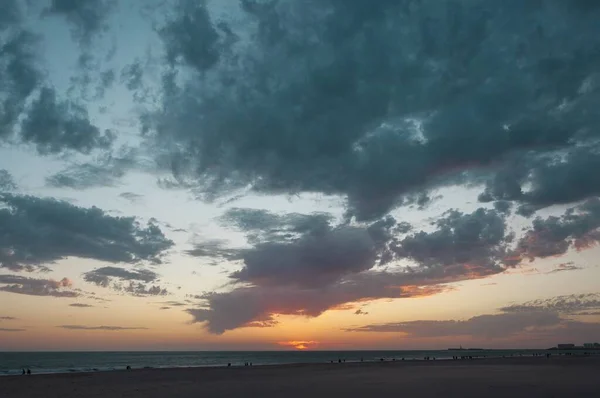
[
  {"x": 479, "y": 238},
  {"x": 554, "y": 236},
  {"x": 105, "y": 170},
  {"x": 192, "y": 38},
  {"x": 30, "y": 110},
  {"x": 263, "y": 226},
  {"x": 132, "y": 75},
  {"x": 376, "y": 104},
  {"x": 19, "y": 71},
  {"x": 38, "y": 231},
  {"x": 107, "y": 328},
  {"x": 215, "y": 249},
  {"x": 543, "y": 321},
  {"x": 569, "y": 305},
  {"x": 132, "y": 197},
  {"x": 80, "y": 305},
  {"x": 11, "y": 330},
  {"x": 328, "y": 267},
  {"x": 139, "y": 289},
  {"x": 88, "y": 17},
  {"x": 360, "y": 312},
  {"x": 7, "y": 318},
  {"x": 561, "y": 177},
  {"x": 247, "y": 305},
  {"x": 137, "y": 280},
  {"x": 102, "y": 276},
  {"x": 565, "y": 267},
  {"x": 167, "y": 305},
  {"x": 305, "y": 250},
  {"x": 10, "y": 13},
  {"x": 486, "y": 326},
  {"x": 7, "y": 182},
  {"x": 312, "y": 261},
  {"x": 37, "y": 287},
  {"x": 54, "y": 126}
]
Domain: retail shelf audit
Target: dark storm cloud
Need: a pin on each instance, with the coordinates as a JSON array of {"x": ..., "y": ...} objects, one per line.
[
  {"x": 80, "y": 305},
  {"x": 107, "y": 328},
  {"x": 306, "y": 250},
  {"x": 38, "y": 231},
  {"x": 486, "y": 326},
  {"x": 10, "y": 13},
  {"x": 566, "y": 181},
  {"x": 7, "y": 182},
  {"x": 479, "y": 238},
  {"x": 559, "y": 178},
  {"x": 37, "y": 287},
  {"x": 554, "y": 236},
  {"x": 314, "y": 260},
  {"x": 104, "y": 170},
  {"x": 333, "y": 266},
  {"x": 376, "y": 102},
  {"x": 191, "y": 37},
  {"x": 87, "y": 17},
  {"x": 503, "y": 206},
  {"x": 30, "y": 111},
  {"x": 570, "y": 305},
  {"x": 20, "y": 74},
  {"x": 12, "y": 330},
  {"x": 54, "y": 126},
  {"x": 249, "y": 304},
  {"x": 263, "y": 226}
]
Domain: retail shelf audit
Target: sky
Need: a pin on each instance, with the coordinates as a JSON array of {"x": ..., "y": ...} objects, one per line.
[{"x": 299, "y": 174}]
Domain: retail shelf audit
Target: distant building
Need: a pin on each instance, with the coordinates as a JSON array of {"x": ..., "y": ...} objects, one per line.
[
  {"x": 566, "y": 346},
  {"x": 591, "y": 345}
]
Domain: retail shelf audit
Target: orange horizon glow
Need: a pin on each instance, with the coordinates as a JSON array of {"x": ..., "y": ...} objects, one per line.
[{"x": 299, "y": 345}]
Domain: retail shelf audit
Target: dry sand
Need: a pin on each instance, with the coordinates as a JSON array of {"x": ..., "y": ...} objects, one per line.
[{"x": 511, "y": 377}]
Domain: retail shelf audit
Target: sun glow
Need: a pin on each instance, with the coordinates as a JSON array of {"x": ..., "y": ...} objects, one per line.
[{"x": 299, "y": 345}]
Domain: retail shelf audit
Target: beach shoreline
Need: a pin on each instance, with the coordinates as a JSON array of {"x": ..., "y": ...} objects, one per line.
[
  {"x": 89, "y": 362},
  {"x": 519, "y": 376}
]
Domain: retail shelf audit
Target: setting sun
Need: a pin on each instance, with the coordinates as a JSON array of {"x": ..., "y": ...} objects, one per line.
[{"x": 299, "y": 345}]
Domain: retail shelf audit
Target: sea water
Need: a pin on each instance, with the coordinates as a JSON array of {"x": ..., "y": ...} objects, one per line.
[{"x": 12, "y": 363}]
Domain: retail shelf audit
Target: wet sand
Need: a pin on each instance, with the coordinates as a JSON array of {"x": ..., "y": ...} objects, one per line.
[{"x": 512, "y": 377}]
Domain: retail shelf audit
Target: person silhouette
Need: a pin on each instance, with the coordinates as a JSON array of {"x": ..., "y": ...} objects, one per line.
[
  {"x": 23, "y": 372},
  {"x": 28, "y": 371}
]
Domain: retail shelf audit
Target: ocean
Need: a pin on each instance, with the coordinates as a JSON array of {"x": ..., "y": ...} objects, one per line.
[{"x": 12, "y": 363}]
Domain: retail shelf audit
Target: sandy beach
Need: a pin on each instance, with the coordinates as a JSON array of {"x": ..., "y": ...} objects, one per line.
[{"x": 517, "y": 377}]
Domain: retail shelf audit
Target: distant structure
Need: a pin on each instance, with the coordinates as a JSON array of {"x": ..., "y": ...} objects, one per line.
[
  {"x": 573, "y": 347},
  {"x": 591, "y": 345},
  {"x": 565, "y": 346}
]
